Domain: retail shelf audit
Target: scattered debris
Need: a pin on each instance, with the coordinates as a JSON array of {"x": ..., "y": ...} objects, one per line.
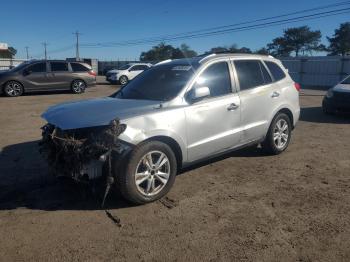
[
  {"x": 167, "y": 202},
  {"x": 115, "y": 219}
]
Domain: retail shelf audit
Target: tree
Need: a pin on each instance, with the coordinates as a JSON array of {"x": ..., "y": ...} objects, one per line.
[
  {"x": 339, "y": 44},
  {"x": 187, "y": 51},
  {"x": 262, "y": 51},
  {"x": 297, "y": 40},
  {"x": 164, "y": 52},
  {"x": 232, "y": 49}
]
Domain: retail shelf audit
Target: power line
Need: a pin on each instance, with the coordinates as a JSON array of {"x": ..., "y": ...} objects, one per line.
[{"x": 224, "y": 29}]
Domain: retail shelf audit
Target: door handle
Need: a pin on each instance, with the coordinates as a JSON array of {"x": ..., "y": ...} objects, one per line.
[
  {"x": 275, "y": 94},
  {"x": 232, "y": 107}
]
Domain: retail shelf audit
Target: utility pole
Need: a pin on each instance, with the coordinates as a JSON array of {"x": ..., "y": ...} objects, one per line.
[
  {"x": 76, "y": 33},
  {"x": 27, "y": 52},
  {"x": 45, "y": 45}
]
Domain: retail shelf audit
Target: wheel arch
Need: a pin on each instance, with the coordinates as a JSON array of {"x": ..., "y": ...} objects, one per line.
[{"x": 172, "y": 144}]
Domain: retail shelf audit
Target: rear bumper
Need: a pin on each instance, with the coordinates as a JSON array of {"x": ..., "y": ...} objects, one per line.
[{"x": 333, "y": 104}]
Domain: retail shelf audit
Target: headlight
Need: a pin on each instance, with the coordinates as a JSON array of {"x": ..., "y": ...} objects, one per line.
[{"x": 329, "y": 93}]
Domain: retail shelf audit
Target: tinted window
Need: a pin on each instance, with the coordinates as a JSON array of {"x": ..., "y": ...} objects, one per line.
[
  {"x": 160, "y": 83},
  {"x": 266, "y": 75},
  {"x": 217, "y": 78},
  {"x": 275, "y": 70},
  {"x": 124, "y": 67},
  {"x": 138, "y": 68},
  {"x": 59, "y": 66},
  {"x": 37, "y": 68},
  {"x": 249, "y": 74},
  {"x": 76, "y": 67}
]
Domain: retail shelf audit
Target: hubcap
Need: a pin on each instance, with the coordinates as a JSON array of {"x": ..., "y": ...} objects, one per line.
[
  {"x": 78, "y": 86},
  {"x": 123, "y": 80},
  {"x": 152, "y": 173},
  {"x": 13, "y": 89},
  {"x": 281, "y": 133}
]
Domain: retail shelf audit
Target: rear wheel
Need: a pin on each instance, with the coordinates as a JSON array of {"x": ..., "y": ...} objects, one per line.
[
  {"x": 279, "y": 134},
  {"x": 13, "y": 89},
  {"x": 149, "y": 173},
  {"x": 123, "y": 80},
  {"x": 78, "y": 86}
]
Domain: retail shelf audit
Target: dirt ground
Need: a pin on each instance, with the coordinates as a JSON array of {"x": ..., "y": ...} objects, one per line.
[{"x": 244, "y": 206}]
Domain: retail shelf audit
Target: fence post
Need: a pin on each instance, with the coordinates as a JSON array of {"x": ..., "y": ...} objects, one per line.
[{"x": 302, "y": 70}]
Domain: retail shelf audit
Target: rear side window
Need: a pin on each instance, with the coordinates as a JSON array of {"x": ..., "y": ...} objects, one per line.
[
  {"x": 59, "y": 66},
  {"x": 275, "y": 70},
  {"x": 76, "y": 67},
  {"x": 37, "y": 68},
  {"x": 249, "y": 73},
  {"x": 266, "y": 75},
  {"x": 217, "y": 78}
]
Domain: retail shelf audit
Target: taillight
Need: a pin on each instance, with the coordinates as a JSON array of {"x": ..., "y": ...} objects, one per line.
[
  {"x": 297, "y": 86},
  {"x": 92, "y": 73}
]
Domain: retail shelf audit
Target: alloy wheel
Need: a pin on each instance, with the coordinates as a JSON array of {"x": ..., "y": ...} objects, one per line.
[
  {"x": 78, "y": 86},
  {"x": 281, "y": 134},
  {"x": 13, "y": 89},
  {"x": 152, "y": 173}
]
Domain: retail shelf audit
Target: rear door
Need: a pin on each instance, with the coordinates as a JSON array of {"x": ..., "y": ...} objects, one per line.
[
  {"x": 213, "y": 124},
  {"x": 35, "y": 76},
  {"x": 257, "y": 96},
  {"x": 59, "y": 75}
]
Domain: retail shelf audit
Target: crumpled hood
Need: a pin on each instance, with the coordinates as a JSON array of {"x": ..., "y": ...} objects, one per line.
[
  {"x": 95, "y": 112},
  {"x": 342, "y": 88}
]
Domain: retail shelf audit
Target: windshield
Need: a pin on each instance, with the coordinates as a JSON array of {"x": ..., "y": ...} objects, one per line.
[
  {"x": 124, "y": 67},
  {"x": 160, "y": 83},
  {"x": 346, "y": 81},
  {"x": 20, "y": 66}
]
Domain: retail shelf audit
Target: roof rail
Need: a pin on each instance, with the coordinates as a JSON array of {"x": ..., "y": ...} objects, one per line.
[
  {"x": 206, "y": 57},
  {"x": 163, "y": 62}
]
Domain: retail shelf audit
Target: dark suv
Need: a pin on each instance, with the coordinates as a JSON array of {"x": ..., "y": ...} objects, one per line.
[{"x": 47, "y": 75}]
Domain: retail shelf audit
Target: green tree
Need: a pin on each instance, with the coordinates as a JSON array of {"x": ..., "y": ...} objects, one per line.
[
  {"x": 262, "y": 51},
  {"x": 164, "y": 52},
  {"x": 298, "y": 40},
  {"x": 339, "y": 44}
]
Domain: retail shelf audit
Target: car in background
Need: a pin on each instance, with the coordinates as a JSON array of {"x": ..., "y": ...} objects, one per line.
[
  {"x": 46, "y": 75},
  {"x": 337, "y": 99},
  {"x": 127, "y": 72}
]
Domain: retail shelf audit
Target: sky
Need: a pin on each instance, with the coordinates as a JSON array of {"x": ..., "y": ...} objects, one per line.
[{"x": 30, "y": 23}]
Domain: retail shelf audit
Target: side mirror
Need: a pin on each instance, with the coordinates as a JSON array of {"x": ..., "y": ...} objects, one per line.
[{"x": 198, "y": 93}]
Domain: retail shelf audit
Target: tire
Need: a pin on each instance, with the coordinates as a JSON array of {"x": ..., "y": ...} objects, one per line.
[
  {"x": 152, "y": 182},
  {"x": 78, "y": 86},
  {"x": 279, "y": 134},
  {"x": 123, "y": 80},
  {"x": 13, "y": 89}
]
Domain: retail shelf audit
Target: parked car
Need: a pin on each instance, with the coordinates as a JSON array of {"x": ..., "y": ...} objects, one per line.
[
  {"x": 46, "y": 75},
  {"x": 184, "y": 111},
  {"x": 337, "y": 99},
  {"x": 125, "y": 73}
]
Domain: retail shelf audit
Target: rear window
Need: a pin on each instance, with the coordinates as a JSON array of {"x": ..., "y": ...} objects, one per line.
[
  {"x": 59, "y": 66},
  {"x": 76, "y": 67},
  {"x": 275, "y": 70}
]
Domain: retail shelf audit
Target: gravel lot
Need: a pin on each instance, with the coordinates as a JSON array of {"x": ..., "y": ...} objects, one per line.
[{"x": 245, "y": 206}]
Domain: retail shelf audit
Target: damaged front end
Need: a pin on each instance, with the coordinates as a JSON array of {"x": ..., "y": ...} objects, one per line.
[{"x": 82, "y": 154}]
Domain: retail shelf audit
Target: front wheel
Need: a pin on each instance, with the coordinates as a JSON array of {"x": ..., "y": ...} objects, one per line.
[
  {"x": 78, "y": 86},
  {"x": 149, "y": 173},
  {"x": 123, "y": 80},
  {"x": 279, "y": 134},
  {"x": 13, "y": 89}
]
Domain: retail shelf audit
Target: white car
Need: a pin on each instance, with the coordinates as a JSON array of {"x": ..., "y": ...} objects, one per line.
[{"x": 127, "y": 72}]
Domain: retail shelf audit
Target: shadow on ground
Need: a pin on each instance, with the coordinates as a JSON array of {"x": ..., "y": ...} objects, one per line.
[
  {"x": 316, "y": 115},
  {"x": 25, "y": 182}
]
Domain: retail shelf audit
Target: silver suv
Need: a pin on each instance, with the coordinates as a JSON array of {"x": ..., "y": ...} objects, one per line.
[{"x": 187, "y": 110}]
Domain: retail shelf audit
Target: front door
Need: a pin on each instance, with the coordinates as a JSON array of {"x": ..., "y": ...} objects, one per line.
[
  {"x": 35, "y": 76},
  {"x": 213, "y": 124}
]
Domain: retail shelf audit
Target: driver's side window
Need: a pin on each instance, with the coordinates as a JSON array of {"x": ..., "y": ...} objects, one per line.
[{"x": 217, "y": 78}]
